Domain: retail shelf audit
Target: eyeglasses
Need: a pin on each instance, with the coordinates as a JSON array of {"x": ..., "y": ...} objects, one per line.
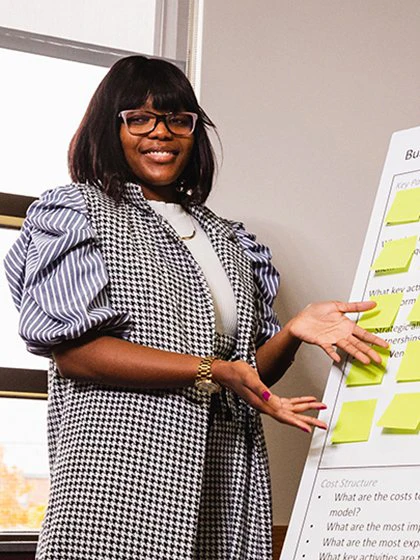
[{"x": 144, "y": 122}]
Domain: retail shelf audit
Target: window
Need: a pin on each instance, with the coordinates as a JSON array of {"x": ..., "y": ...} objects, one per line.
[
  {"x": 49, "y": 82},
  {"x": 24, "y": 481}
]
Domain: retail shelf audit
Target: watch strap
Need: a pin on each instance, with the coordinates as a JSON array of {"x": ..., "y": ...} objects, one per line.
[{"x": 204, "y": 374}]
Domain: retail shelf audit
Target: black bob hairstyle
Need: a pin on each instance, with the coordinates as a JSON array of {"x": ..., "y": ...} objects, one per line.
[{"x": 95, "y": 154}]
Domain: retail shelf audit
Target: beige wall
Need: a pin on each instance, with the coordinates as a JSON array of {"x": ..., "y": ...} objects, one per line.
[{"x": 306, "y": 94}]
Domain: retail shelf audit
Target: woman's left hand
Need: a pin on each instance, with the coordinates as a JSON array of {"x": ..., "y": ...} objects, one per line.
[{"x": 325, "y": 324}]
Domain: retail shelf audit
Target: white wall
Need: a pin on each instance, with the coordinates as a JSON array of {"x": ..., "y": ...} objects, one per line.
[{"x": 306, "y": 95}]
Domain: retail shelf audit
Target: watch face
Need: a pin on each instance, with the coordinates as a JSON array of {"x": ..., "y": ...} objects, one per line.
[{"x": 207, "y": 386}]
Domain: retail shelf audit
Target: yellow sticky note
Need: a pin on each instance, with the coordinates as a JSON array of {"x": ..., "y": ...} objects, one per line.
[
  {"x": 396, "y": 255},
  {"x": 401, "y": 432},
  {"x": 405, "y": 207},
  {"x": 402, "y": 413},
  {"x": 414, "y": 316},
  {"x": 370, "y": 374},
  {"x": 354, "y": 422},
  {"x": 383, "y": 315},
  {"x": 409, "y": 369}
]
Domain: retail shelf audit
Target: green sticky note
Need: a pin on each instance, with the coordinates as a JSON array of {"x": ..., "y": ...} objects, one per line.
[
  {"x": 354, "y": 422},
  {"x": 409, "y": 369},
  {"x": 370, "y": 374},
  {"x": 402, "y": 413},
  {"x": 405, "y": 207},
  {"x": 383, "y": 315},
  {"x": 396, "y": 255},
  {"x": 414, "y": 316}
]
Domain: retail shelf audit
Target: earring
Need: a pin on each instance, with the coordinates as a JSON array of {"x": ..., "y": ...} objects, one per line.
[{"x": 182, "y": 188}]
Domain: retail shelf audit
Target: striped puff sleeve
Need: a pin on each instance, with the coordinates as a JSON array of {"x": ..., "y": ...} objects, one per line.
[
  {"x": 57, "y": 276},
  {"x": 266, "y": 281}
]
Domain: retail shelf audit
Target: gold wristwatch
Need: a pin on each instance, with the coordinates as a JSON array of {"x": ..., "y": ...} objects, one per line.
[{"x": 204, "y": 381}]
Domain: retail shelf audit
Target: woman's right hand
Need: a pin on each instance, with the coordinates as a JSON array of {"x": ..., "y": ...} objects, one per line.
[{"x": 244, "y": 380}]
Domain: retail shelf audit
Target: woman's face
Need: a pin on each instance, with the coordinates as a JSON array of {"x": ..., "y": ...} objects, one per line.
[{"x": 157, "y": 158}]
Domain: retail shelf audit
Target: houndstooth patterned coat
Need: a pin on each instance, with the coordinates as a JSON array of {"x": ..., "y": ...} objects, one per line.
[{"x": 131, "y": 470}]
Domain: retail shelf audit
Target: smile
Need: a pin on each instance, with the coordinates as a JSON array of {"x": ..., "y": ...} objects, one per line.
[
  {"x": 159, "y": 152},
  {"x": 160, "y": 156}
]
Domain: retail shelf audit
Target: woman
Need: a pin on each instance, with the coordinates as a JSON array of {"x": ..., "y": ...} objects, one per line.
[{"x": 157, "y": 315}]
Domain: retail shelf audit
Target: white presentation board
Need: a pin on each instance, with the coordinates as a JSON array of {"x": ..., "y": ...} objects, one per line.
[{"x": 359, "y": 497}]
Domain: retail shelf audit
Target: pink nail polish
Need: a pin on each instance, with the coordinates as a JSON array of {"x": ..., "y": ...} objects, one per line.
[{"x": 266, "y": 395}]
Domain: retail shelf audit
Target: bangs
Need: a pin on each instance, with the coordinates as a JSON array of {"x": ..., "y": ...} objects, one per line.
[
  {"x": 165, "y": 84},
  {"x": 171, "y": 100}
]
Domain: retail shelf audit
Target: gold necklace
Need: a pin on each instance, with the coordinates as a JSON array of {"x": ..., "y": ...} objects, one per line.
[{"x": 194, "y": 231}]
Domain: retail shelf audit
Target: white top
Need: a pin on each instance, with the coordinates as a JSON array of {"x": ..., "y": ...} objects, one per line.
[{"x": 202, "y": 251}]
